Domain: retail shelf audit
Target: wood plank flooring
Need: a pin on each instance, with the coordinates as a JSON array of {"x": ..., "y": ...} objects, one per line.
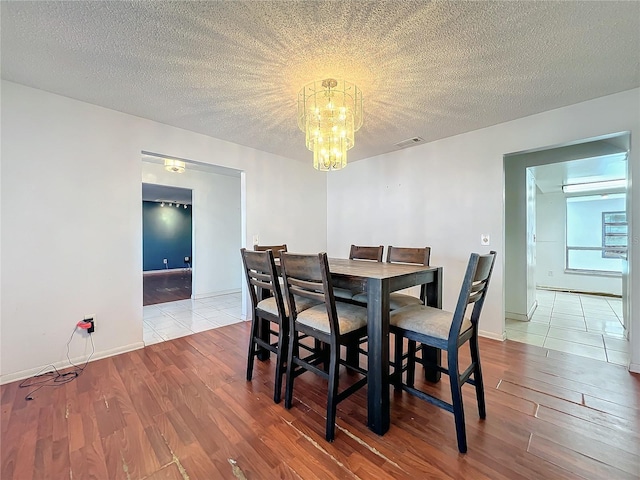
[
  {"x": 182, "y": 410},
  {"x": 162, "y": 287}
]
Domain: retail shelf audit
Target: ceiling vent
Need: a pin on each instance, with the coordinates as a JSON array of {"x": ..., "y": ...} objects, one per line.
[{"x": 410, "y": 143}]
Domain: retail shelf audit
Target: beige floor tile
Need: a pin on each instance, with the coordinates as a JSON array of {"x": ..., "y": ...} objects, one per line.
[
  {"x": 150, "y": 338},
  {"x": 574, "y": 302},
  {"x": 567, "y": 310},
  {"x": 576, "y": 348},
  {"x": 541, "y": 318},
  {"x": 174, "y": 331},
  {"x": 524, "y": 337},
  {"x": 542, "y": 310},
  {"x": 568, "y": 316},
  {"x": 529, "y": 327},
  {"x": 609, "y": 318},
  {"x": 576, "y": 323},
  {"x": 617, "y": 344},
  {"x": 598, "y": 307},
  {"x": 619, "y": 358},
  {"x": 593, "y": 339},
  {"x": 610, "y": 328}
]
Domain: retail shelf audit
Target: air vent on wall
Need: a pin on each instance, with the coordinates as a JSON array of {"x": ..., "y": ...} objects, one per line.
[{"x": 410, "y": 142}]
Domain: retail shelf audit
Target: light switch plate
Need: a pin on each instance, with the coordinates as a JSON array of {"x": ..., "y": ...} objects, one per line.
[{"x": 485, "y": 239}]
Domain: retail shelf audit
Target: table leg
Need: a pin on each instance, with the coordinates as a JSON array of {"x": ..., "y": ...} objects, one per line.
[
  {"x": 430, "y": 354},
  {"x": 378, "y": 359}
]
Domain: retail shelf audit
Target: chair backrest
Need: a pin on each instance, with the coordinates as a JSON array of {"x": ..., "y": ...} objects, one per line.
[
  {"x": 473, "y": 292},
  {"x": 262, "y": 278},
  {"x": 274, "y": 248},
  {"x": 366, "y": 253},
  {"x": 308, "y": 276},
  {"x": 414, "y": 256},
  {"x": 417, "y": 256}
]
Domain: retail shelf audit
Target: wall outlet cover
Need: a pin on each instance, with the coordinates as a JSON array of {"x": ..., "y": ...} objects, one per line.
[{"x": 485, "y": 239}]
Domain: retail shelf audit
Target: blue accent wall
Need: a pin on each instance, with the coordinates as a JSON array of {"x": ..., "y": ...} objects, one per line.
[{"x": 166, "y": 233}]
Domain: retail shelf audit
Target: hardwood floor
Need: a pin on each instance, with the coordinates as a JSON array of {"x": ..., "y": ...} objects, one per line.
[
  {"x": 162, "y": 287},
  {"x": 183, "y": 410}
]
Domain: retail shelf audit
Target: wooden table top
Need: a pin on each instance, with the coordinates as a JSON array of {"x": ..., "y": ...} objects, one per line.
[{"x": 380, "y": 270}]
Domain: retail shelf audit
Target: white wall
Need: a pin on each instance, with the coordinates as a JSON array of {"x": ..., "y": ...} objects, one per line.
[
  {"x": 550, "y": 271},
  {"x": 448, "y": 192},
  {"x": 217, "y": 229},
  {"x": 72, "y": 219}
]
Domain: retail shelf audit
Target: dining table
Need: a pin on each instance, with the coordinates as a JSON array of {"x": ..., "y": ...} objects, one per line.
[{"x": 379, "y": 280}]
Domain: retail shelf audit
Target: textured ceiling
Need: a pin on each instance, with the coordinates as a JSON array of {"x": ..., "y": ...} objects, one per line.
[{"x": 232, "y": 70}]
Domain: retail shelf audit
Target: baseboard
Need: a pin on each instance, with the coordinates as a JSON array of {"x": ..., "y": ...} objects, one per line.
[
  {"x": 63, "y": 364},
  {"x": 634, "y": 367},
  {"x": 516, "y": 316},
  {"x": 167, "y": 270},
  {"x": 492, "y": 335},
  {"x": 583, "y": 292},
  {"x": 214, "y": 294},
  {"x": 532, "y": 309}
]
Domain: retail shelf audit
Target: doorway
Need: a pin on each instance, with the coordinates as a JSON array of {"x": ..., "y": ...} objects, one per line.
[
  {"x": 167, "y": 243},
  {"x": 213, "y": 265},
  {"x": 563, "y": 288}
]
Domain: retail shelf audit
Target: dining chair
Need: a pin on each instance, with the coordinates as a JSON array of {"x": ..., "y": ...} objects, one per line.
[
  {"x": 448, "y": 331},
  {"x": 358, "y": 252},
  {"x": 410, "y": 256},
  {"x": 307, "y": 277},
  {"x": 275, "y": 248},
  {"x": 267, "y": 305}
]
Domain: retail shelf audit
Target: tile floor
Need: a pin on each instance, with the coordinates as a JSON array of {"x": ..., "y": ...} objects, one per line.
[
  {"x": 166, "y": 321},
  {"x": 586, "y": 325}
]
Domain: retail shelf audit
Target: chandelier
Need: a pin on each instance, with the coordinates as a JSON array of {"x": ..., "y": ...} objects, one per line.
[
  {"x": 175, "y": 166},
  {"x": 329, "y": 112}
]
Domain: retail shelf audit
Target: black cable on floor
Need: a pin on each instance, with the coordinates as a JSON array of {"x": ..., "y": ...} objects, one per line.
[{"x": 54, "y": 378}]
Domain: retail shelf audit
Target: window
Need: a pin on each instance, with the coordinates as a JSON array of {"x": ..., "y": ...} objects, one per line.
[
  {"x": 614, "y": 234},
  {"x": 596, "y": 234}
]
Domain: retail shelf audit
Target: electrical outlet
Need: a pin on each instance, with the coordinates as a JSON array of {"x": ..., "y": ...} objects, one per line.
[
  {"x": 256, "y": 239},
  {"x": 485, "y": 239},
  {"x": 91, "y": 319},
  {"x": 164, "y": 260}
]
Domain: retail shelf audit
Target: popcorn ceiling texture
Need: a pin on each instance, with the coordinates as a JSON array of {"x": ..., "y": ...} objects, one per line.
[{"x": 232, "y": 70}]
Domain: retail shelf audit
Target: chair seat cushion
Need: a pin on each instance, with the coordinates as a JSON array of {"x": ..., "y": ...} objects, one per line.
[
  {"x": 269, "y": 305},
  {"x": 350, "y": 317},
  {"x": 428, "y": 321},
  {"x": 396, "y": 300},
  {"x": 343, "y": 293}
]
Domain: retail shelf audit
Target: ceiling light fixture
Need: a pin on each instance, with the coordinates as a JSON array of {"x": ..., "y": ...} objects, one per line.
[
  {"x": 175, "y": 166},
  {"x": 593, "y": 186},
  {"x": 329, "y": 112}
]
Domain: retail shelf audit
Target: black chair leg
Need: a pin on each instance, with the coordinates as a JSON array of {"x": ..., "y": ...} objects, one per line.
[
  {"x": 411, "y": 363},
  {"x": 321, "y": 349},
  {"x": 288, "y": 393},
  {"x": 280, "y": 363},
  {"x": 252, "y": 347},
  {"x": 332, "y": 394},
  {"x": 353, "y": 353},
  {"x": 477, "y": 377},
  {"x": 456, "y": 400},
  {"x": 397, "y": 369}
]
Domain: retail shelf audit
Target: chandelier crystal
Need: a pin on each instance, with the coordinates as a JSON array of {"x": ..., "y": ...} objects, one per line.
[{"x": 330, "y": 112}]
